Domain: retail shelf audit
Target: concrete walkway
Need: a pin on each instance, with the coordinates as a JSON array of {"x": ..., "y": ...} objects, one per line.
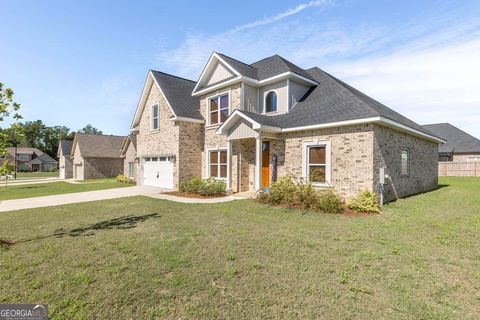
[
  {"x": 56, "y": 200},
  {"x": 78, "y": 197},
  {"x": 22, "y": 182}
]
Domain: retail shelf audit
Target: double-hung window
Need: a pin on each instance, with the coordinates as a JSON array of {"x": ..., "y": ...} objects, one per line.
[
  {"x": 154, "y": 124},
  {"x": 218, "y": 164},
  {"x": 405, "y": 162},
  {"x": 317, "y": 162},
  {"x": 218, "y": 109},
  {"x": 131, "y": 169}
]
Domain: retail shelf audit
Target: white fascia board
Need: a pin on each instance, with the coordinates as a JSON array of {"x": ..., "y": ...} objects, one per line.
[
  {"x": 185, "y": 119},
  {"x": 379, "y": 120},
  {"x": 278, "y": 77},
  {"x": 217, "y": 86},
  {"x": 142, "y": 100},
  {"x": 411, "y": 130},
  {"x": 207, "y": 66},
  {"x": 232, "y": 117}
]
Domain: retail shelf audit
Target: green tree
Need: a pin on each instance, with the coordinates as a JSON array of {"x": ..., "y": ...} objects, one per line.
[
  {"x": 52, "y": 136},
  {"x": 6, "y": 169},
  {"x": 89, "y": 129},
  {"x": 34, "y": 134},
  {"x": 8, "y": 113}
]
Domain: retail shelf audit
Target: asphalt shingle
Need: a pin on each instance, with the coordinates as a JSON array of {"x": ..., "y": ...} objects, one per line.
[{"x": 458, "y": 141}]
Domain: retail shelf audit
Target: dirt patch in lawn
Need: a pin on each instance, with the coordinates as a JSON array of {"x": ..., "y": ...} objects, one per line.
[
  {"x": 192, "y": 195},
  {"x": 6, "y": 243}
]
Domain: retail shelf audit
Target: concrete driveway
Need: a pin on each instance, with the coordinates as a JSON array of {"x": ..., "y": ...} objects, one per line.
[{"x": 47, "y": 201}]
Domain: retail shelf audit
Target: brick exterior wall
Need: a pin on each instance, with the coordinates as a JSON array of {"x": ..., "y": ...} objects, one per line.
[
  {"x": 423, "y": 175},
  {"x": 352, "y": 156},
  {"x": 96, "y": 168},
  {"x": 130, "y": 156},
  {"x": 212, "y": 140},
  {"x": 165, "y": 140},
  {"x": 77, "y": 164}
]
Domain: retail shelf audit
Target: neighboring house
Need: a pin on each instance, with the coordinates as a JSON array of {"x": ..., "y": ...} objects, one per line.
[
  {"x": 249, "y": 124},
  {"x": 96, "y": 156},
  {"x": 460, "y": 146},
  {"x": 129, "y": 153},
  {"x": 65, "y": 160},
  {"x": 30, "y": 159}
]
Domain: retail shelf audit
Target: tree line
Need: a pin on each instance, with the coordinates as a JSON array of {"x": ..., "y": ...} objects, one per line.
[{"x": 36, "y": 134}]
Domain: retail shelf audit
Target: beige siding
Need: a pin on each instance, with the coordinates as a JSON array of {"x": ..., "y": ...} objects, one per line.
[
  {"x": 281, "y": 90},
  {"x": 242, "y": 130},
  {"x": 65, "y": 162},
  {"x": 250, "y": 98},
  {"x": 219, "y": 73},
  {"x": 297, "y": 91}
]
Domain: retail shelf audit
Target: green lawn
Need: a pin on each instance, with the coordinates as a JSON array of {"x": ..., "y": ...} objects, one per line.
[
  {"x": 144, "y": 258},
  {"x": 30, "y": 175},
  {"x": 52, "y": 188}
]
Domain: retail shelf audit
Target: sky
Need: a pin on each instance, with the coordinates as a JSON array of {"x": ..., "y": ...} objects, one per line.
[{"x": 85, "y": 61}]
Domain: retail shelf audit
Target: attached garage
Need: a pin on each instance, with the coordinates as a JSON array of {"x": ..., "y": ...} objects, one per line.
[{"x": 158, "y": 172}]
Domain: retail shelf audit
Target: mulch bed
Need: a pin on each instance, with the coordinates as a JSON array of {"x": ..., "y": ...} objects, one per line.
[{"x": 192, "y": 195}]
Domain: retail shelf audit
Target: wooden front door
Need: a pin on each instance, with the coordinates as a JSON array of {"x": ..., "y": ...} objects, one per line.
[{"x": 265, "y": 164}]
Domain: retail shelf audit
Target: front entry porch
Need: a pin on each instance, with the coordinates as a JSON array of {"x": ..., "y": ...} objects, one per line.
[{"x": 253, "y": 163}]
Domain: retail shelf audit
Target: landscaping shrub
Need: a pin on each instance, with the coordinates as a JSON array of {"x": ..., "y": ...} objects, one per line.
[
  {"x": 329, "y": 201},
  {"x": 193, "y": 185},
  {"x": 284, "y": 191},
  {"x": 366, "y": 201},
  {"x": 209, "y": 187},
  {"x": 287, "y": 192},
  {"x": 124, "y": 179}
]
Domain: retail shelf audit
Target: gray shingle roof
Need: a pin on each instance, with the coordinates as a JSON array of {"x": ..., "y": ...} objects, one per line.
[
  {"x": 45, "y": 158},
  {"x": 458, "y": 141},
  {"x": 99, "y": 146},
  {"x": 178, "y": 92},
  {"x": 66, "y": 146},
  {"x": 332, "y": 100},
  {"x": 275, "y": 65},
  {"x": 243, "y": 68}
]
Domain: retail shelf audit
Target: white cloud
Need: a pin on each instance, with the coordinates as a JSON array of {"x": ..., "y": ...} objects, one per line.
[{"x": 280, "y": 16}]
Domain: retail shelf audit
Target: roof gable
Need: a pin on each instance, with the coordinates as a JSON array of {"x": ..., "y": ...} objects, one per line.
[
  {"x": 65, "y": 146},
  {"x": 176, "y": 91}
]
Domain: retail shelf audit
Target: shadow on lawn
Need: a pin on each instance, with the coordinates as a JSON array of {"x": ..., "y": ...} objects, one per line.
[{"x": 125, "y": 222}]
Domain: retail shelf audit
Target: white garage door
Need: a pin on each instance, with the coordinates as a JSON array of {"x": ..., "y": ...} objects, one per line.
[{"x": 158, "y": 172}]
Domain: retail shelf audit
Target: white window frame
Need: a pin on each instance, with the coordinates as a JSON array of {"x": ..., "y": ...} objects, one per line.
[
  {"x": 152, "y": 118},
  {"x": 328, "y": 159},
  {"x": 408, "y": 162},
  {"x": 265, "y": 102},
  {"x": 217, "y": 96},
  {"x": 132, "y": 168},
  {"x": 218, "y": 164}
]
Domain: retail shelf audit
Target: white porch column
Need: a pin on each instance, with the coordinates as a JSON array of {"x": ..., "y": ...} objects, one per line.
[
  {"x": 258, "y": 162},
  {"x": 229, "y": 165}
]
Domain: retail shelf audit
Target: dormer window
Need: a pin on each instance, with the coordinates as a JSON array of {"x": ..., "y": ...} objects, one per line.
[
  {"x": 271, "y": 102},
  {"x": 218, "y": 109}
]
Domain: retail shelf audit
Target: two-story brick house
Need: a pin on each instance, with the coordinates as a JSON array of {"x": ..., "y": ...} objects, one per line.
[{"x": 250, "y": 124}]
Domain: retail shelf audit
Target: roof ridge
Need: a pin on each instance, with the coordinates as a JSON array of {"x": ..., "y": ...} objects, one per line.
[
  {"x": 248, "y": 65},
  {"x": 96, "y": 135},
  {"x": 262, "y": 60},
  {"x": 172, "y": 75}
]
